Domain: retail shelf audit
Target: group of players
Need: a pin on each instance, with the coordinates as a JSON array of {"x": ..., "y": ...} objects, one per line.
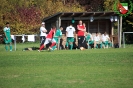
[
  {"x": 82, "y": 36},
  {"x": 52, "y": 37}
]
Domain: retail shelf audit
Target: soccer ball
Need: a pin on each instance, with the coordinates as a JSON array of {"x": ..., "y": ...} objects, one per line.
[{"x": 82, "y": 48}]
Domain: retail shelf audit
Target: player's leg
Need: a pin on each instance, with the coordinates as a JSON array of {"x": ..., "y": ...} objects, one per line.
[
  {"x": 42, "y": 40},
  {"x": 82, "y": 43},
  {"x": 71, "y": 43},
  {"x": 106, "y": 44},
  {"x": 6, "y": 44},
  {"x": 56, "y": 39},
  {"x": 79, "y": 41},
  {"x": 10, "y": 43},
  {"x": 100, "y": 43},
  {"x": 10, "y": 46},
  {"x": 67, "y": 42},
  {"x": 46, "y": 42},
  {"x": 6, "y": 47},
  {"x": 53, "y": 44}
]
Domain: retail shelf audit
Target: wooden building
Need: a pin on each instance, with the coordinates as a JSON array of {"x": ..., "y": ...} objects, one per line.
[{"x": 95, "y": 22}]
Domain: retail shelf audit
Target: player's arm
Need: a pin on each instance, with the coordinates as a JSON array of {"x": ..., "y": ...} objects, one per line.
[
  {"x": 108, "y": 38},
  {"x": 44, "y": 31},
  {"x": 74, "y": 31},
  {"x": 66, "y": 33},
  {"x": 84, "y": 29},
  {"x": 60, "y": 34},
  {"x": 79, "y": 28},
  {"x": 5, "y": 35}
]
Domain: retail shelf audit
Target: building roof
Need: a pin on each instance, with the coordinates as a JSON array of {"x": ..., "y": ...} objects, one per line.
[{"x": 80, "y": 14}]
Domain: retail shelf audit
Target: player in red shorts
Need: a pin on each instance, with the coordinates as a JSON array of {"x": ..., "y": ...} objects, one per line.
[{"x": 49, "y": 39}]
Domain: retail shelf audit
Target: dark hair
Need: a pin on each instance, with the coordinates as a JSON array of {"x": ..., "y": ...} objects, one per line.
[
  {"x": 71, "y": 24},
  {"x": 53, "y": 27},
  {"x": 7, "y": 23},
  {"x": 61, "y": 26}
]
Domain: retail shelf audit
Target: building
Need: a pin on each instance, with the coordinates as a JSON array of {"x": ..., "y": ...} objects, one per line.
[{"x": 95, "y": 22}]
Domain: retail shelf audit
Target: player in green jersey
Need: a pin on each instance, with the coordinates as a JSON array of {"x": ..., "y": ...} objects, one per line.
[
  {"x": 58, "y": 34},
  {"x": 7, "y": 37}
]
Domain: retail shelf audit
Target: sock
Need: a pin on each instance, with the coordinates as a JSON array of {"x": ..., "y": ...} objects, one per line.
[
  {"x": 71, "y": 46},
  {"x": 52, "y": 44},
  {"x": 66, "y": 44},
  {"x": 54, "y": 47},
  {"x": 41, "y": 47},
  {"x": 88, "y": 45},
  {"x": 100, "y": 45},
  {"x": 10, "y": 47},
  {"x": 6, "y": 47}
]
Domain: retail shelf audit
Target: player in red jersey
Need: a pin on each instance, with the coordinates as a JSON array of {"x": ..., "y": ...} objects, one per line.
[
  {"x": 49, "y": 39},
  {"x": 81, "y": 37}
]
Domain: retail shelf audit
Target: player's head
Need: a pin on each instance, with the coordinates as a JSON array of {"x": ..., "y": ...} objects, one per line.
[
  {"x": 96, "y": 33},
  {"x": 84, "y": 24},
  {"x": 7, "y": 24},
  {"x": 43, "y": 23},
  {"x": 61, "y": 28},
  {"x": 71, "y": 24},
  {"x": 80, "y": 22},
  {"x": 105, "y": 33},
  {"x": 53, "y": 27}
]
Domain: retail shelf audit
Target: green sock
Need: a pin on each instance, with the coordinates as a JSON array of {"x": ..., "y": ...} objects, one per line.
[
  {"x": 6, "y": 47},
  {"x": 71, "y": 46},
  {"x": 100, "y": 45},
  {"x": 66, "y": 44},
  {"x": 53, "y": 47},
  {"x": 11, "y": 47}
]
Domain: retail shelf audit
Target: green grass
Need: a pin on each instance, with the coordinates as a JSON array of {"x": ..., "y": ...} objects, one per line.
[{"x": 96, "y": 68}]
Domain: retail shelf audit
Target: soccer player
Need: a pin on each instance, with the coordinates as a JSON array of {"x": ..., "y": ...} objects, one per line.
[
  {"x": 70, "y": 31},
  {"x": 57, "y": 35},
  {"x": 97, "y": 41},
  {"x": 7, "y": 37},
  {"x": 105, "y": 40},
  {"x": 42, "y": 33},
  {"x": 81, "y": 37},
  {"x": 89, "y": 39},
  {"x": 49, "y": 39}
]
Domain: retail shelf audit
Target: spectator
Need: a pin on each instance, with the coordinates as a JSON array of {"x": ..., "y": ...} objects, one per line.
[
  {"x": 42, "y": 33},
  {"x": 81, "y": 38},
  {"x": 70, "y": 31},
  {"x": 7, "y": 37}
]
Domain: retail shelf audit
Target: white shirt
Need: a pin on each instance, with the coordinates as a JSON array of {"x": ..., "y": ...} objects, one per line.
[
  {"x": 105, "y": 37},
  {"x": 96, "y": 38},
  {"x": 41, "y": 31},
  {"x": 70, "y": 30}
]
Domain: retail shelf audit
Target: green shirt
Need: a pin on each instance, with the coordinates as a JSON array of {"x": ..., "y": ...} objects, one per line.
[
  {"x": 88, "y": 37},
  {"x": 58, "y": 33},
  {"x": 7, "y": 38},
  {"x": 7, "y": 32}
]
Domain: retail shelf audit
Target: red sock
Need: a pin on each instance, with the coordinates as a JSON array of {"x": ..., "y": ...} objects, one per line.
[
  {"x": 41, "y": 47},
  {"x": 52, "y": 44}
]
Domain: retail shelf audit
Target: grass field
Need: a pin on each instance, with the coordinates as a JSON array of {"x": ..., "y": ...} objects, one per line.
[{"x": 96, "y": 68}]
